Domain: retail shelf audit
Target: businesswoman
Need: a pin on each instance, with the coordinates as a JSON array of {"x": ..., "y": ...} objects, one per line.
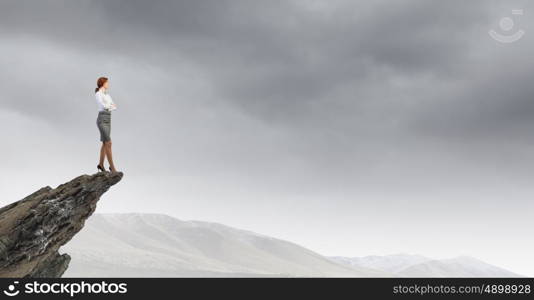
[{"x": 103, "y": 122}]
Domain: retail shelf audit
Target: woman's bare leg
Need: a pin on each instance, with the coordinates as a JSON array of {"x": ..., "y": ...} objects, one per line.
[
  {"x": 109, "y": 154},
  {"x": 102, "y": 155}
]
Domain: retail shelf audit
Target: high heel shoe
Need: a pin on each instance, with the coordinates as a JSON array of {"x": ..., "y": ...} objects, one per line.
[{"x": 100, "y": 168}]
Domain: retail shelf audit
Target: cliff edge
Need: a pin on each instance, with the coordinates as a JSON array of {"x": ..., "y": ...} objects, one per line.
[{"x": 34, "y": 228}]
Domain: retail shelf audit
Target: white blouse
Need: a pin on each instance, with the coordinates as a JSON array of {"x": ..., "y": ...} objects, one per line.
[{"x": 104, "y": 101}]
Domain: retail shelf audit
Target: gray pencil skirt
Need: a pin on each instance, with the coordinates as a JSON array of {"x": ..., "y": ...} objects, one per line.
[{"x": 103, "y": 122}]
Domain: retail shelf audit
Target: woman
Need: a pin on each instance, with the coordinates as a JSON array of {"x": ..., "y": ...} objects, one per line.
[{"x": 103, "y": 122}]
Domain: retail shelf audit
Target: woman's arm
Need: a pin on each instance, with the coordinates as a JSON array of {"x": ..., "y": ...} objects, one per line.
[
  {"x": 112, "y": 105},
  {"x": 103, "y": 101}
]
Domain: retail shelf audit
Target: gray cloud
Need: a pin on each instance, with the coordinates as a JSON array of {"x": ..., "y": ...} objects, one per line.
[{"x": 276, "y": 105}]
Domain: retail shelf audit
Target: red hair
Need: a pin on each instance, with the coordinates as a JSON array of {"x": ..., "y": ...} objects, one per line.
[{"x": 100, "y": 82}]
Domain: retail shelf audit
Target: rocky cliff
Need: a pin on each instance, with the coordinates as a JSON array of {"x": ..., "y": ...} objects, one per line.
[{"x": 34, "y": 228}]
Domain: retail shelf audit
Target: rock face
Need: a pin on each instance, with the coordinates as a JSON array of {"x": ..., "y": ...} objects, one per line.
[{"x": 34, "y": 228}]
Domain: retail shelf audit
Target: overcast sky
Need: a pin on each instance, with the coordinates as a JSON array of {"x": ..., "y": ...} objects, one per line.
[{"x": 350, "y": 127}]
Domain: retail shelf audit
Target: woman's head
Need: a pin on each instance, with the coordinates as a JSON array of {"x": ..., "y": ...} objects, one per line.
[{"x": 101, "y": 82}]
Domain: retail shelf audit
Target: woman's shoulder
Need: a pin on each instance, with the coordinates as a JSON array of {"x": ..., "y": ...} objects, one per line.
[{"x": 101, "y": 94}]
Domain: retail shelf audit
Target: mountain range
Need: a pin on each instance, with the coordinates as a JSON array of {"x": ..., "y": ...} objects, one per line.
[
  {"x": 157, "y": 245},
  {"x": 413, "y": 265}
]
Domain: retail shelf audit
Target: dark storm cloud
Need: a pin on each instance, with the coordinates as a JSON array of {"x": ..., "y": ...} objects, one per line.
[
  {"x": 382, "y": 72},
  {"x": 274, "y": 59}
]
